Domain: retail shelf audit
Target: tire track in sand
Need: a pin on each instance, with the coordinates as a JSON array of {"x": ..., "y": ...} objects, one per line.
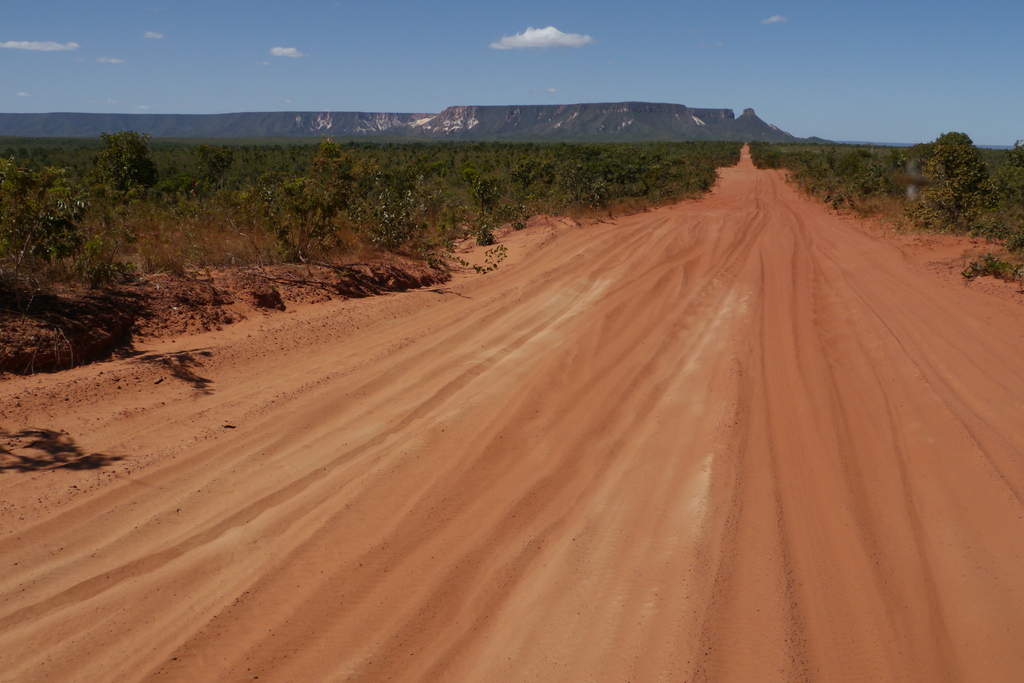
[{"x": 734, "y": 439}]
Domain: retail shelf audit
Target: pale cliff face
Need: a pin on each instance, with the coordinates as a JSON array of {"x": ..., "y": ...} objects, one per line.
[{"x": 612, "y": 121}]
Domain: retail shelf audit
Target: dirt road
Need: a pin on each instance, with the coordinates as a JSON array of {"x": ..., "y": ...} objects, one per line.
[{"x": 732, "y": 440}]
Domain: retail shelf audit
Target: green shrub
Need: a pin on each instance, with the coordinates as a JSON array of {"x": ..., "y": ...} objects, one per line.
[
  {"x": 125, "y": 163},
  {"x": 959, "y": 185},
  {"x": 39, "y": 216},
  {"x": 990, "y": 265},
  {"x": 1015, "y": 242}
]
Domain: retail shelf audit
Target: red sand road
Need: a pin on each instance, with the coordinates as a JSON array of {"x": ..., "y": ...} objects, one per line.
[{"x": 736, "y": 439}]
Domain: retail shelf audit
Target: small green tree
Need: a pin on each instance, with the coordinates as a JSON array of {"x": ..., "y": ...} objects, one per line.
[
  {"x": 125, "y": 163},
  {"x": 390, "y": 217},
  {"x": 1009, "y": 182},
  {"x": 39, "y": 214},
  {"x": 305, "y": 214},
  {"x": 216, "y": 162},
  {"x": 960, "y": 186}
]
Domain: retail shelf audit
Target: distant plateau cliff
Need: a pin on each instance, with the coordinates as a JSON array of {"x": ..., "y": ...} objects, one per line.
[{"x": 622, "y": 121}]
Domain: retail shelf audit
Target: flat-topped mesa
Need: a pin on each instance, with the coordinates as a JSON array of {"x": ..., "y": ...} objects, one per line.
[
  {"x": 713, "y": 114},
  {"x": 609, "y": 121},
  {"x": 625, "y": 121},
  {"x": 344, "y": 123}
]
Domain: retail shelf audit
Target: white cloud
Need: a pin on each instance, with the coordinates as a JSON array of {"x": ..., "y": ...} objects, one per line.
[
  {"x": 285, "y": 52},
  {"x": 141, "y": 107},
  {"x": 550, "y": 91},
  {"x": 46, "y": 46},
  {"x": 541, "y": 37},
  {"x": 24, "y": 94},
  {"x": 776, "y": 19},
  {"x": 152, "y": 35},
  {"x": 110, "y": 60}
]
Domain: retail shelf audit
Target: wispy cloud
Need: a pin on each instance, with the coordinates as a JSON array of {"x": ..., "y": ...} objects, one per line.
[
  {"x": 285, "y": 52},
  {"x": 44, "y": 46},
  {"x": 110, "y": 60},
  {"x": 24, "y": 94},
  {"x": 550, "y": 91},
  {"x": 152, "y": 35},
  {"x": 541, "y": 38},
  {"x": 141, "y": 107},
  {"x": 775, "y": 19}
]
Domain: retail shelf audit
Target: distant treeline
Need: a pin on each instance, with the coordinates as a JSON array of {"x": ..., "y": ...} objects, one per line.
[
  {"x": 105, "y": 210},
  {"x": 948, "y": 185}
]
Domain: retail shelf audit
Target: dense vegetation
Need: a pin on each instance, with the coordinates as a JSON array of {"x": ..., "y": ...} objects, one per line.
[
  {"x": 105, "y": 210},
  {"x": 948, "y": 185}
]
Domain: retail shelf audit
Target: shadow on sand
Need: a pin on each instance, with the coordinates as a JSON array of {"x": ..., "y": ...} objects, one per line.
[
  {"x": 181, "y": 365},
  {"x": 33, "y": 450}
]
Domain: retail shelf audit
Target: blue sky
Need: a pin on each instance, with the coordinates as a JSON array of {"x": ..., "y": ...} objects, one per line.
[{"x": 881, "y": 71}]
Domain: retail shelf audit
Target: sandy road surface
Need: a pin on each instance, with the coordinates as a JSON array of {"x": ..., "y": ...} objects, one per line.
[{"x": 735, "y": 439}]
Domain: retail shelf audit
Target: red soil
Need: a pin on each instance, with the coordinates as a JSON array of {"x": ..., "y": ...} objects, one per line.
[{"x": 735, "y": 439}]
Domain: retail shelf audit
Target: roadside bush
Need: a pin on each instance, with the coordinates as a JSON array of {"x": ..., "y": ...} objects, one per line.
[
  {"x": 990, "y": 228},
  {"x": 305, "y": 215},
  {"x": 124, "y": 203},
  {"x": 995, "y": 267},
  {"x": 854, "y": 177},
  {"x": 391, "y": 218},
  {"x": 125, "y": 163},
  {"x": 959, "y": 187},
  {"x": 1015, "y": 242},
  {"x": 39, "y": 215},
  {"x": 485, "y": 231},
  {"x": 98, "y": 264}
]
